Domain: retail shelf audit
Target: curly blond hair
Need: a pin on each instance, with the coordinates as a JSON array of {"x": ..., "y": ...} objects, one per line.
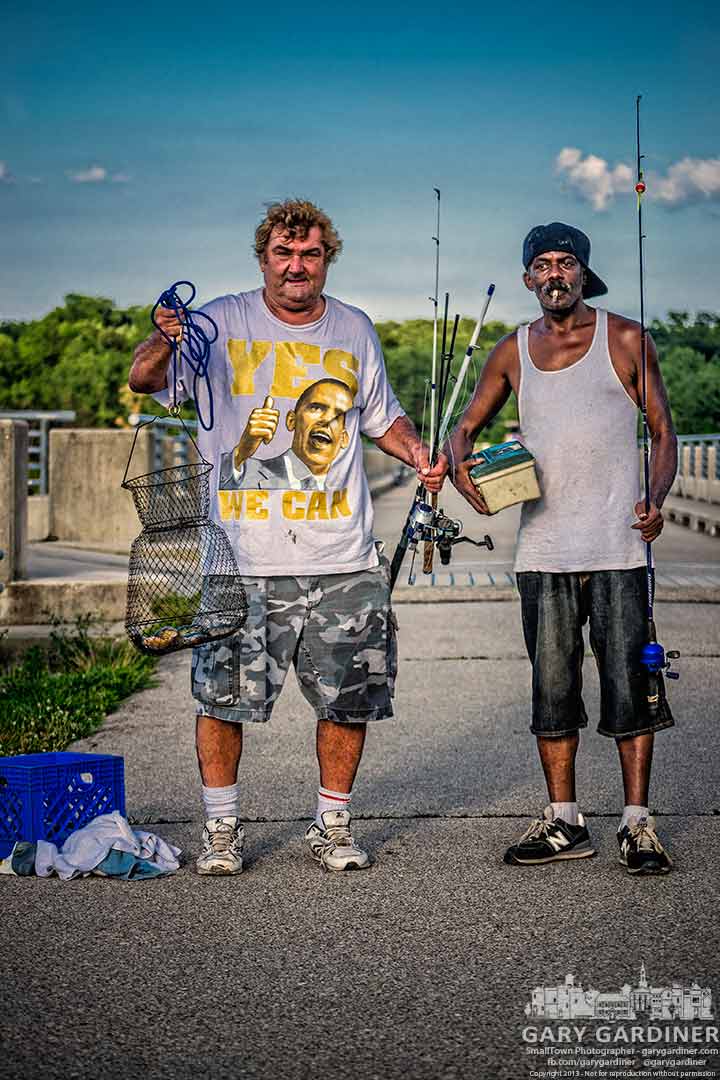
[{"x": 297, "y": 217}]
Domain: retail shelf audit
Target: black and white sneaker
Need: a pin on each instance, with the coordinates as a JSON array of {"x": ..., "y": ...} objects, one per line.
[
  {"x": 640, "y": 848},
  {"x": 550, "y": 840}
]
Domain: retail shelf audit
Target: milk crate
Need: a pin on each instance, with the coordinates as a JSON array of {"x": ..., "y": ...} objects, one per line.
[{"x": 48, "y": 796}]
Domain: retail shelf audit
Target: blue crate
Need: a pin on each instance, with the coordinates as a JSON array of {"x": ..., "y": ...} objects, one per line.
[{"x": 48, "y": 796}]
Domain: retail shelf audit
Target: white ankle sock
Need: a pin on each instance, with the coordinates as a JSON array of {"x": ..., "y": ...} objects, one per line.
[
  {"x": 220, "y": 801},
  {"x": 568, "y": 811},
  {"x": 331, "y": 800},
  {"x": 633, "y": 811}
]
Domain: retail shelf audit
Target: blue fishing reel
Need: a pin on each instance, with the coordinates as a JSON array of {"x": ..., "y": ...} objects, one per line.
[{"x": 654, "y": 659}]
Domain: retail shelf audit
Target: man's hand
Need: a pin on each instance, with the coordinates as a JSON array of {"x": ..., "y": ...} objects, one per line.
[
  {"x": 649, "y": 524},
  {"x": 148, "y": 373},
  {"x": 168, "y": 322},
  {"x": 261, "y": 427},
  {"x": 431, "y": 478},
  {"x": 463, "y": 483}
]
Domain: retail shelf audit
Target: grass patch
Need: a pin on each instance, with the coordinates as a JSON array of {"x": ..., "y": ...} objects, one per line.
[{"x": 52, "y": 696}]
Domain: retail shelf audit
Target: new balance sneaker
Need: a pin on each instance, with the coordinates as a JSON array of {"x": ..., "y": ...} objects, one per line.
[
  {"x": 223, "y": 840},
  {"x": 550, "y": 840},
  {"x": 332, "y": 845},
  {"x": 640, "y": 849}
]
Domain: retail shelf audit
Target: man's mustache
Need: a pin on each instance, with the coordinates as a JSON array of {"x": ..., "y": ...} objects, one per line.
[{"x": 560, "y": 286}]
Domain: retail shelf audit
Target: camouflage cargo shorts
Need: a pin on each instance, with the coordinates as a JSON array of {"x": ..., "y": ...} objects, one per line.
[{"x": 339, "y": 632}]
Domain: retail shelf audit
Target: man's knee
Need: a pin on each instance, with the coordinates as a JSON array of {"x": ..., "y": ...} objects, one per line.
[{"x": 214, "y": 735}]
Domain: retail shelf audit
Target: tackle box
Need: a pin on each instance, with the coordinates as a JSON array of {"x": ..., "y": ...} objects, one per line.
[{"x": 504, "y": 475}]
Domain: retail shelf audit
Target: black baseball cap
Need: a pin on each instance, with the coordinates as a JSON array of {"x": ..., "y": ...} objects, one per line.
[{"x": 559, "y": 237}]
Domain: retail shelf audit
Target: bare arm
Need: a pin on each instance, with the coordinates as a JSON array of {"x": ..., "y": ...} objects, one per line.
[
  {"x": 148, "y": 373},
  {"x": 402, "y": 441},
  {"x": 491, "y": 392},
  {"x": 663, "y": 455}
]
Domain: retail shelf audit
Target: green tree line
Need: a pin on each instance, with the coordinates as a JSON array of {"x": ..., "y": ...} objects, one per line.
[{"x": 77, "y": 357}]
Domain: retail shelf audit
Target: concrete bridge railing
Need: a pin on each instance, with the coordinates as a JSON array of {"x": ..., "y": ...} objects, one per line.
[
  {"x": 13, "y": 500},
  {"x": 698, "y": 475},
  {"x": 86, "y": 506}
]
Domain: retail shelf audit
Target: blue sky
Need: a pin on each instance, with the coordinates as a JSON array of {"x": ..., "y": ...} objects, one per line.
[{"x": 139, "y": 142}]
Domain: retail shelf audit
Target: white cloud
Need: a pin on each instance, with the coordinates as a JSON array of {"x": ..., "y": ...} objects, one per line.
[
  {"x": 686, "y": 181},
  {"x": 6, "y": 177},
  {"x": 95, "y": 174},
  {"x": 592, "y": 177},
  {"x": 98, "y": 174}
]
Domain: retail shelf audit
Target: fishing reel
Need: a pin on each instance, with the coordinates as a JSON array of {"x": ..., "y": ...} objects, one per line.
[
  {"x": 448, "y": 534},
  {"x": 424, "y": 524},
  {"x": 655, "y": 660}
]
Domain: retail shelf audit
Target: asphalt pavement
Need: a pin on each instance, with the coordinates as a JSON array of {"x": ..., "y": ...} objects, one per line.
[{"x": 420, "y": 967}]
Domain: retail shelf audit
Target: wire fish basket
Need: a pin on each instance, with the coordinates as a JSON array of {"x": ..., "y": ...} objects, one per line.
[{"x": 184, "y": 587}]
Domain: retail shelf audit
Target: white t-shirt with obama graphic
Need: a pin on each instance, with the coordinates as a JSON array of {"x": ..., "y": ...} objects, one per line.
[{"x": 299, "y": 503}]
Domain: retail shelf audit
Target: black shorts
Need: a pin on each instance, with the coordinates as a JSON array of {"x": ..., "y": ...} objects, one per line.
[{"x": 554, "y": 609}]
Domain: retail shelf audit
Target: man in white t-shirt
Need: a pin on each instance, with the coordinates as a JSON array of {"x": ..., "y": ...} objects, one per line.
[{"x": 297, "y": 376}]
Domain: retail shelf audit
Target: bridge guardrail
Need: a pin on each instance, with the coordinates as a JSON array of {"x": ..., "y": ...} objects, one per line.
[
  {"x": 698, "y": 475},
  {"x": 39, "y": 423}
]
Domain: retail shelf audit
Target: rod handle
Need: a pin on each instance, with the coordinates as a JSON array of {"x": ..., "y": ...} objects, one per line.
[{"x": 429, "y": 546}]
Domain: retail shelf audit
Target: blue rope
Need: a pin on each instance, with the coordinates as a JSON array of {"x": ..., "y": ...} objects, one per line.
[{"x": 195, "y": 345}]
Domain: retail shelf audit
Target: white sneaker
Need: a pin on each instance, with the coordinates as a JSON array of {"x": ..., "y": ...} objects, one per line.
[
  {"x": 223, "y": 840},
  {"x": 333, "y": 846}
]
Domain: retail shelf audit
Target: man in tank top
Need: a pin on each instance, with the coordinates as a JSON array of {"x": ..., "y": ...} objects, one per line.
[{"x": 580, "y": 558}]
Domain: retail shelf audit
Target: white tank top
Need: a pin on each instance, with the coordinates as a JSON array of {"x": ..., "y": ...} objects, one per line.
[{"x": 581, "y": 425}]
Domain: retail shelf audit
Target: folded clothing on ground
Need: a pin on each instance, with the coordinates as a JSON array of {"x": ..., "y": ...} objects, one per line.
[{"x": 106, "y": 846}]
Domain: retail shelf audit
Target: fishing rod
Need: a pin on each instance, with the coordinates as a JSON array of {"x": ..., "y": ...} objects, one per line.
[
  {"x": 446, "y": 358},
  {"x": 421, "y": 520},
  {"x": 434, "y": 300},
  {"x": 424, "y": 521},
  {"x": 653, "y": 656},
  {"x": 460, "y": 377}
]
